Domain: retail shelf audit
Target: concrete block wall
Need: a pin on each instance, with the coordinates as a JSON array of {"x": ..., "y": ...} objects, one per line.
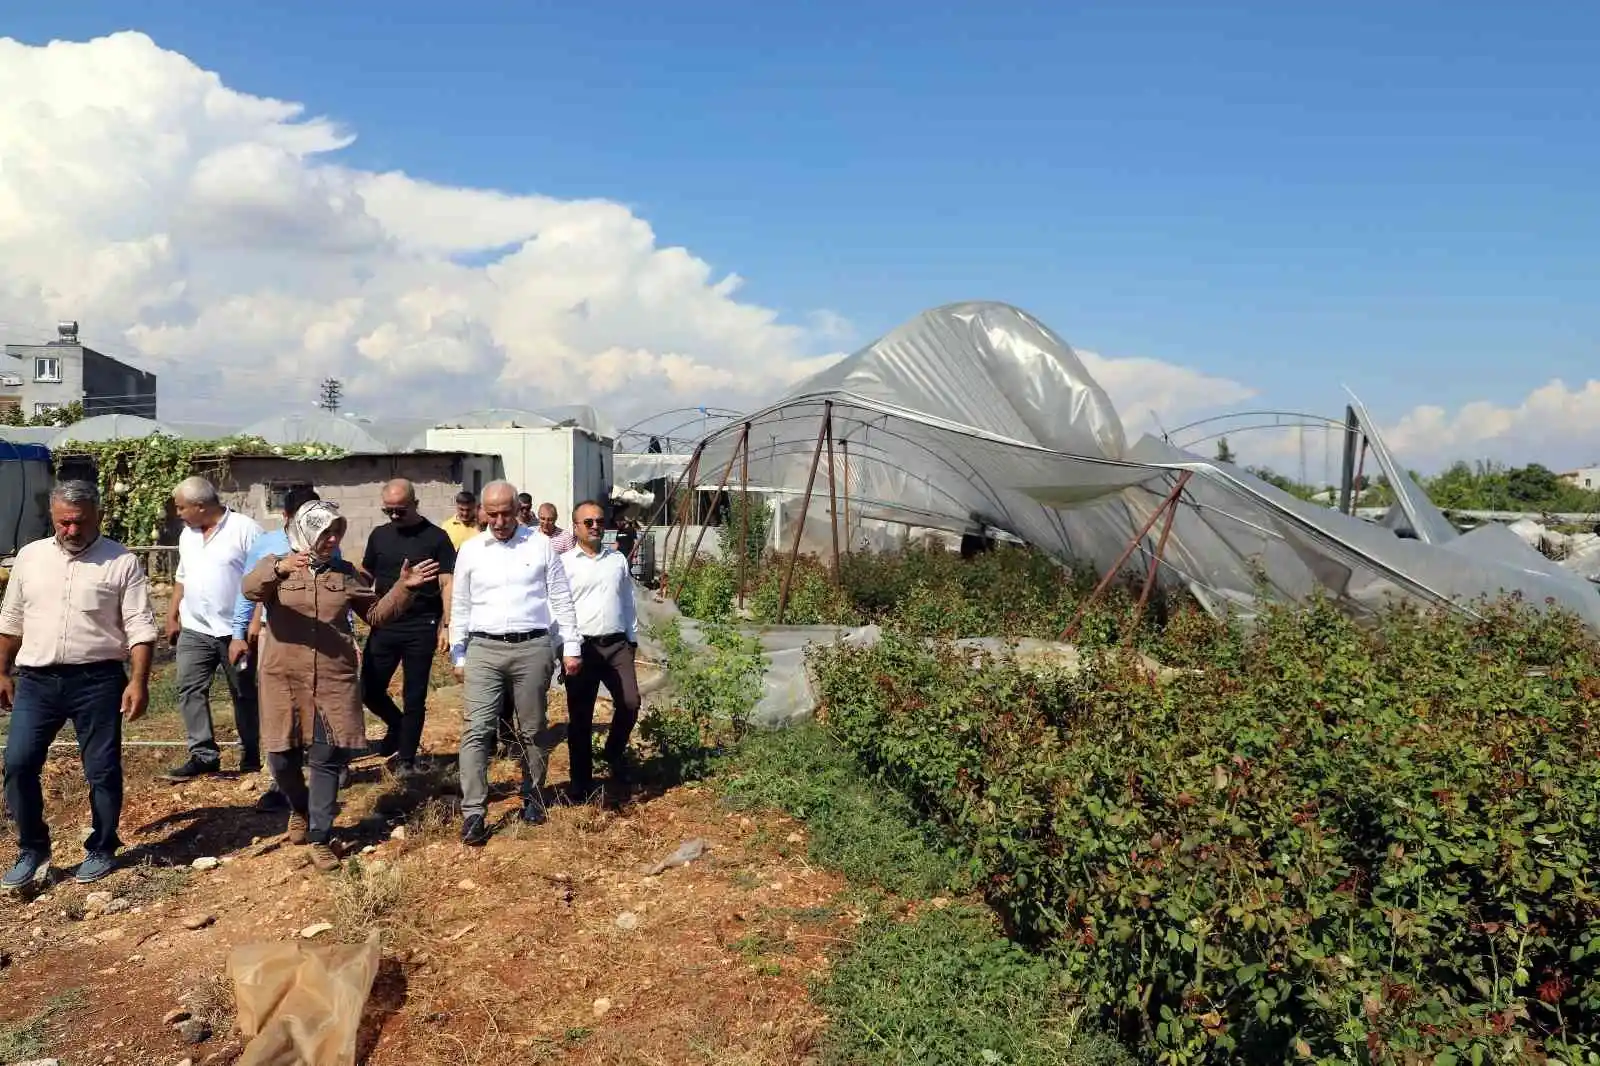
[{"x": 355, "y": 483}]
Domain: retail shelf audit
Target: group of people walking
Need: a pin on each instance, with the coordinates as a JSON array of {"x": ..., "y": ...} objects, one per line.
[{"x": 516, "y": 606}]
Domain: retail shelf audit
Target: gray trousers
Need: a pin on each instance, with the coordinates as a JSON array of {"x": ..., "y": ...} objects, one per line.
[
  {"x": 494, "y": 668},
  {"x": 199, "y": 657}
]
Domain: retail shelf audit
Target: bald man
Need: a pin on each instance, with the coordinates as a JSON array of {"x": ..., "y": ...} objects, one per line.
[
  {"x": 410, "y": 642},
  {"x": 511, "y": 605},
  {"x": 560, "y": 539}
]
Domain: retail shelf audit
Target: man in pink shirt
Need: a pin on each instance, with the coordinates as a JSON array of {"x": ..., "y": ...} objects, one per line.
[{"x": 560, "y": 539}]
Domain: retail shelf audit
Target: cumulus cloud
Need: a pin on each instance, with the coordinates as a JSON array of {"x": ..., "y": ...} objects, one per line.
[
  {"x": 217, "y": 238},
  {"x": 1546, "y": 426},
  {"x": 214, "y": 237},
  {"x": 1149, "y": 393}
]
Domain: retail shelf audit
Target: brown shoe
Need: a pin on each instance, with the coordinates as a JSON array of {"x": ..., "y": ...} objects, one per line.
[
  {"x": 298, "y": 828},
  {"x": 323, "y": 858}
]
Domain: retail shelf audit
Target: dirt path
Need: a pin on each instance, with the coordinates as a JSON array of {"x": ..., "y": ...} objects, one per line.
[{"x": 548, "y": 945}]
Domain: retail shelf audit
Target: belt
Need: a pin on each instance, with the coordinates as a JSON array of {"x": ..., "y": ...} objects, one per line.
[
  {"x": 69, "y": 669},
  {"x": 606, "y": 640},
  {"x": 512, "y": 638}
]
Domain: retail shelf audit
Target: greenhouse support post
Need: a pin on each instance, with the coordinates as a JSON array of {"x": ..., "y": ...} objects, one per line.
[
  {"x": 716, "y": 501},
  {"x": 685, "y": 481},
  {"x": 833, "y": 496},
  {"x": 1155, "y": 567},
  {"x": 744, "y": 511},
  {"x": 805, "y": 505},
  {"x": 1133, "y": 543}
]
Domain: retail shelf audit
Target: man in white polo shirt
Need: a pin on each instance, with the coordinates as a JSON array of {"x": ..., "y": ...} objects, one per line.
[
  {"x": 508, "y": 601},
  {"x": 602, "y": 598},
  {"x": 211, "y": 555}
]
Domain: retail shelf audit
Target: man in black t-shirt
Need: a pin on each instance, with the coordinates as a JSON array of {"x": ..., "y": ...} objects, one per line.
[{"x": 409, "y": 642}]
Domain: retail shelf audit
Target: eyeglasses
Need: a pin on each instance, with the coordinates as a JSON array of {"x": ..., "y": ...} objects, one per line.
[
  {"x": 395, "y": 512},
  {"x": 591, "y": 523}
]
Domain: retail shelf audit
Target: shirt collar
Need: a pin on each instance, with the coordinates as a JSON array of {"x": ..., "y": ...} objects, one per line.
[{"x": 85, "y": 550}]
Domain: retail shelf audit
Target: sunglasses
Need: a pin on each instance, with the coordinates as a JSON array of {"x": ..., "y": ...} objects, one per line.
[
  {"x": 590, "y": 523},
  {"x": 395, "y": 512}
]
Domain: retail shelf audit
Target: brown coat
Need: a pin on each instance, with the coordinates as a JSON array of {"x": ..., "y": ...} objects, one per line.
[{"x": 308, "y": 660}]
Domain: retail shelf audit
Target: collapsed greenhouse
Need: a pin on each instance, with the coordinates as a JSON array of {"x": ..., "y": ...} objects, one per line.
[{"x": 977, "y": 416}]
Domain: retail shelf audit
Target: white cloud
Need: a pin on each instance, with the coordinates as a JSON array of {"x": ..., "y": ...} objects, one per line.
[
  {"x": 1550, "y": 424},
  {"x": 215, "y": 237},
  {"x": 1140, "y": 388},
  {"x": 212, "y": 236}
]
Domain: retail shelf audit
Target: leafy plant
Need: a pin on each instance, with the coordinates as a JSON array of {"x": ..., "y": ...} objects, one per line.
[
  {"x": 715, "y": 685},
  {"x": 136, "y": 477},
  {"x": 1330, "y": 843},
  {"x": 869, "y": 833},
  {"x": 750, "y": 514}
]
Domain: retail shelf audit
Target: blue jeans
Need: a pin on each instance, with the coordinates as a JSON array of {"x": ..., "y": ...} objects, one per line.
[{"x": 47, "y": 698}]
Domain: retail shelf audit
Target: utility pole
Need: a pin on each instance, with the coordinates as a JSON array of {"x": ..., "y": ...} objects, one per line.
[{"x": 331, "y": 391}]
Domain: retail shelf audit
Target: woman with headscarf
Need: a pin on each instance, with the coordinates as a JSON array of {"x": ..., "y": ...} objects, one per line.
[{"x": 311, "y": 716}]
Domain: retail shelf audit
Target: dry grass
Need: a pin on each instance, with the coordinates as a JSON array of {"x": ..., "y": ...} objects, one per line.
[
  {"x": 212, "y": 1002},
  {"x": 365, "y": 894},
  {"x": 492, "y": 955}
]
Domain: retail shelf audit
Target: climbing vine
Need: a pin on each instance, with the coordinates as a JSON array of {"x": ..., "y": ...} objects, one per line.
[{"x": 136, "y": 477}]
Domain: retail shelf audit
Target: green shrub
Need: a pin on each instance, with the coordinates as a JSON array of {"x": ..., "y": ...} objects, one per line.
[
  {"x": 706, "y": 590},
  {"x": 814, "y": 599},
  {"x": 713, "y": 689},
  {"x": 1331, "y": 844},
  {"x": 867, "y": 832},
  {"x": 757, "y": 529}
]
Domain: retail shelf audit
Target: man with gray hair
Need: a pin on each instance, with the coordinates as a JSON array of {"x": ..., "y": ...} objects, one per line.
[
  {"x": 211, "y": 558},
  {"x": 509, "y": 601},
  {"x": 76, "y": 616}
]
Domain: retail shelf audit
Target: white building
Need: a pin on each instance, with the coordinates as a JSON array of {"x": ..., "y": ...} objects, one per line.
[{"x": 1587, "y": 477}]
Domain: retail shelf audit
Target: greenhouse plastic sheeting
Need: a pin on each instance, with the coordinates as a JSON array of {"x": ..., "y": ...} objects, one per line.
[
  {"x": 976, "y": 415},
  {"x": 787, "y": 693}
]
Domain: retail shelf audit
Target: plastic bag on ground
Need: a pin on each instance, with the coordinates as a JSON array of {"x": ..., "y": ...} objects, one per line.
[{"x": 300, "y": 1004}]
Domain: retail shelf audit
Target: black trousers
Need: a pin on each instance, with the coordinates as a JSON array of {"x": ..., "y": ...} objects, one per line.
[
  {"x": 319, "y": 802},
  {"x": 606, "y": 661},
  {"x": 408, "y": 648}
]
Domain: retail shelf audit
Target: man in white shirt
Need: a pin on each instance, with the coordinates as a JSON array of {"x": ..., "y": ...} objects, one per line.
[
  {"x": 211, "y": 556},
  {"x": 602, "y": 598},
  {"x": 508, "y": 601}
]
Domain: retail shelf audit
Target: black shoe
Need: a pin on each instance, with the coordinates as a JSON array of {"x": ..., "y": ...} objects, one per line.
[
  {"x": 250, "y": 764},
  {"x": 617, "y": 793},
  {"x": 272, "y": 801},
  {"x": 533, "y": 812},
  {"x": 474, "y": 834},
  {"x": 191, "y": 769}
]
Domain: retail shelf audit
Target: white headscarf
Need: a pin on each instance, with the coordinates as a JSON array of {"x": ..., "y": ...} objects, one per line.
[{"x": 309, "y": 523}]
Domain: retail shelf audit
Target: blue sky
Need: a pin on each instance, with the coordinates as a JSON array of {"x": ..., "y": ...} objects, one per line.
[{"x": 1396, "y": 197}]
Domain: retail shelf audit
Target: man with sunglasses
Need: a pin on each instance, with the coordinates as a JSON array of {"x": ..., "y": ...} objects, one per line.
[
  {"x": 409, "y": 642},
  {"x": 602, "y": 599}
]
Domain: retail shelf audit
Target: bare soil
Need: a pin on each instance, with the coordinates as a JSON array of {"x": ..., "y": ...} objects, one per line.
[{"x": 509, "y": 953}]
